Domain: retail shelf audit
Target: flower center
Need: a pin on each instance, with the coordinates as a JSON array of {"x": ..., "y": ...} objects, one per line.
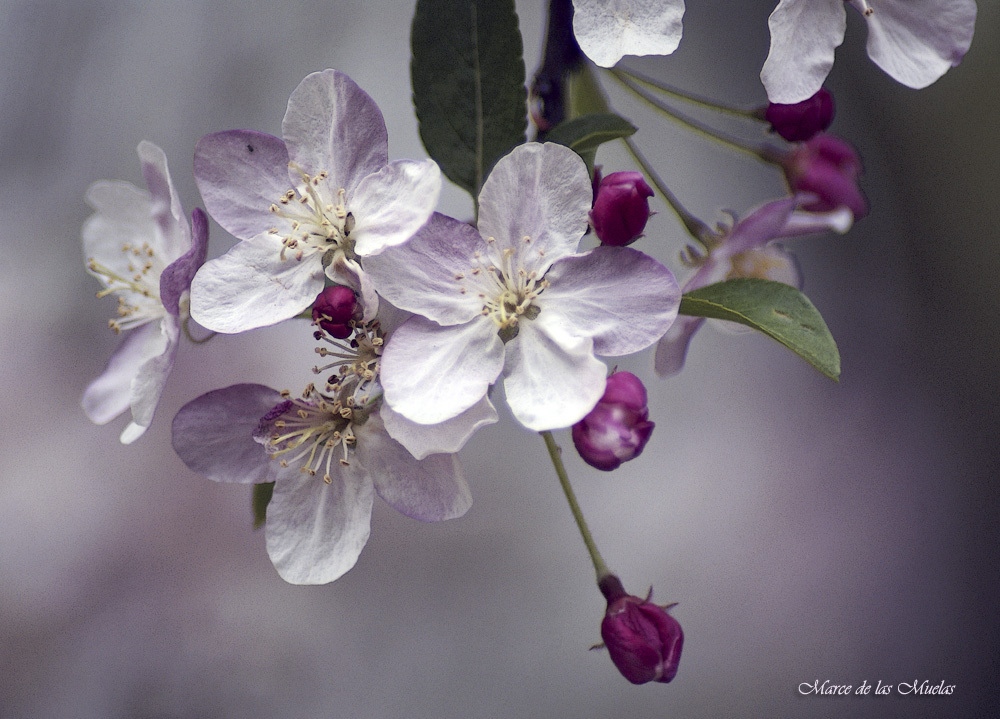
[
  {"x": 137, "y": 286},
  {"x": 313, "y": 432},
  {"x": 753, "y": 263},
  {"x": 508, "y": 292},
  {"x": 317, "y": 218}
]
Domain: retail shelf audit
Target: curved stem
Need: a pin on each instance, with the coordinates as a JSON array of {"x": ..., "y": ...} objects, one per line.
[
  {"x": 761, "y": 152},
  {"x": 555, "y": 454},
  {"x": 690, "y": 97}
]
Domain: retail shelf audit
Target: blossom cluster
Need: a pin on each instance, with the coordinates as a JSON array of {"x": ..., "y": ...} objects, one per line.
[{"x": 424, "y": 321}]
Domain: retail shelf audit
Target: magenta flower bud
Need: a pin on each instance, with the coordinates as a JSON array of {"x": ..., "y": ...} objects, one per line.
[
  {"x": 803, "y": 120},
  {"x": 617, "y": 429},
  {"x": 621, "y": 208},
  {"x": 644, "y": 641},
  {"x": 333, "y": 310},
  {"x": 827, "y": 167}
]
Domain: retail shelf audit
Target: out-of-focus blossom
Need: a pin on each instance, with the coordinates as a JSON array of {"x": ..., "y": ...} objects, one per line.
[
  {"x": 914, "y": 41},
  {"x": 643, "y": 639},
  {"x": 747, "y": 249},
  {"x": 313, "y": 203},
  {"x": 828, "y": 168},
  {"x": 804, "y": 120},
  {"x": 607, "y": 30},
  {"x": 334, "y": 309},
  {"x": 141, "y": 248},
  {"x": 618, "y": 427},
  {"x": 327, "y": 458},
  {"x": 621, "y": 208},
  {"x": 514, "y": 297}
]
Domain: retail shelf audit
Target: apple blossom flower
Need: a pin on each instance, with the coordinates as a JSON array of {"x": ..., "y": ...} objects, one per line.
[
  {"x": 607, "y": 30},
  {"x": 328, "y": 454},
  {"x": 140, "y": 246},
  {"x": 643, "y": 639},
  {"x": 514, "y": 297},
  {"x": 914, "y": 41},
  {"x": 828, "y": 168},
  {"x": 747, "y": 249},
  {"x": 621, "y": 208},
  {"x": 618, "y": 427},
  {"x": 308, "y": 205},
  {"x": 801, "y": 121}
]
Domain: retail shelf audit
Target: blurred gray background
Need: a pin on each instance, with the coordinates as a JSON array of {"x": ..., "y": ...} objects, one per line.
[{"x": 808, "y": 530}]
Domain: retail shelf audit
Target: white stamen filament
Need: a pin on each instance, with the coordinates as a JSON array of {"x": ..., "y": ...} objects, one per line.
[
  {"x": 138, "y": 291},
  {"x": 315, "y": 224}
]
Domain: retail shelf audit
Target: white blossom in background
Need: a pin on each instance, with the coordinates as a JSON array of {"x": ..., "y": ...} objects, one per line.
[
  {"x": 914, "y": 41},
  {"x": 304, "y": 207},
  {"x": 515, "y": 297},
  {"x": 139, "y": 245},
  {"x": 607, "y": 30}
]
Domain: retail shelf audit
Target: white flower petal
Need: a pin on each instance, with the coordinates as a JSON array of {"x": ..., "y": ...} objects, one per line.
[
  {"x": 166, "y": 207},
  {"x": 673, "y": 346},
  {"x": 607, "y": 30},
  {"x": 151, "y": 376},
  {"x": 250, "y": 286},
  {"x": 446, "y": 437},
  {"x": 214, "y": 434},
  {"x": 551, "y": 380},
  {"x": 429, "y": 490},
  {"x": 429, "y": 273},
  {"x": 316, "y": 531},
  {"x": 432, "y": 373},
  {"x": 122, "y": 218},
  {"x": 389, "y": 206},
  {"x": 333, "y": 125},
  {"x": 917, "y": 41},
  {"x": 804, "y": 35},
  {"x": 620, "y": 297},
  {"x": 542, "y": 192},
  {"x": 110, "y": 394}
]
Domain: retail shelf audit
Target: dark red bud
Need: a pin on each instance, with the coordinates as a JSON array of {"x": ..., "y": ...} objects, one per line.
[
  {"x": 803, "y": 120},
  {"x": 827, "y": 167},
  {"x": 621, "y": 208},
  {"x": 333, "y": 310},
  {"x": 644, "y": 641}
]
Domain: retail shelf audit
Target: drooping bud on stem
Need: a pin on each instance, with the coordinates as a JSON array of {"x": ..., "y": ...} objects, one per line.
[
  {"x": 827, "y": 167},
  {"x": 621, "y": 208},
  {"x": 644, "y": 641}
]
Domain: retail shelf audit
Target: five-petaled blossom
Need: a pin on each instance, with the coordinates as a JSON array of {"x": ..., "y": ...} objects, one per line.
[
  {"x": 515, "y": 297},
  {"x": 746, "y": 249},
  {"x": 141, "y": 248},
  {"x": 643, "y": 639},
  {"x": 327, "y": 457},
  {"x": 607, "y": 30},
  {"x": 313, "y": 203},
  {"x": 914, "y": 41}
]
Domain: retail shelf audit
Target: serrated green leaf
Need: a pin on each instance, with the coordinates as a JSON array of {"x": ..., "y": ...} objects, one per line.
[
  {"x": 778, "y": 310},
  {"x": 261, "y": 498},
  {"x": 467, "y": 74}
]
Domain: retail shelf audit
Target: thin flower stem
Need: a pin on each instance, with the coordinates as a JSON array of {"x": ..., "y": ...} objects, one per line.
[
  {"x": 555, "y": 454},
  {"x": 761, "y": 152},
  {"x": 689, "y": 97},
  {"x": 698, "y": 229}
]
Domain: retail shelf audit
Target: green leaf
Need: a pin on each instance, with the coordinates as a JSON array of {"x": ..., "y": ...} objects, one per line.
[
  {"x": 586, "y": 133},
  {"x": 261, "y": 498},
  {"x": 778, "y": 310},
  {"x": 467, "y": 73}
]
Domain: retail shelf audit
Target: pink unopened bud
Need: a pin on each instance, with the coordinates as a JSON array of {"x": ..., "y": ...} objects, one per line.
[
  {"x": 644, "y": 641},
  {"x": 827, "y": 167},
  {"x": 803, "y": 120},
  {"x": 334, "y": 309},
  {"x": 621, "y": 208},
  {"x": 617, "y": 429}
]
